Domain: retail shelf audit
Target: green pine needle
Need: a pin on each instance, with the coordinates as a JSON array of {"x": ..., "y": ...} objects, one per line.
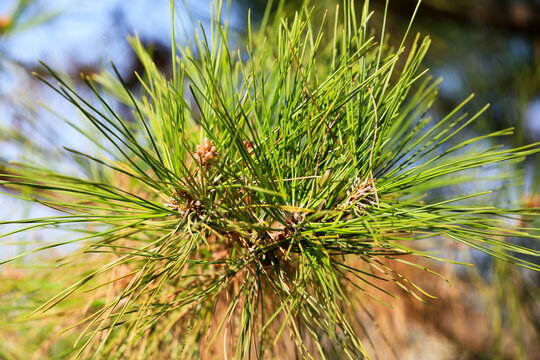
[{"x": 261, "y": 190}]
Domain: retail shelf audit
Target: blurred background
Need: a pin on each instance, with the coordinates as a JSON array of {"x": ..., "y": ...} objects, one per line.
[{"x": 487, "y": 47}]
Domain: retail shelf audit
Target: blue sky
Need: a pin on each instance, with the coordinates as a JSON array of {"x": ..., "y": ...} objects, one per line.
[{"x": 94, "y": 31}]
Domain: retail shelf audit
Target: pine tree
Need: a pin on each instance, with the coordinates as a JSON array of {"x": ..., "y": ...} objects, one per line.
[{"x": 257, "y": 196}]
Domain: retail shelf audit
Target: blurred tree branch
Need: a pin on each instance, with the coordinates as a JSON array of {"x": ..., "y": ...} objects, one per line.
[{"x": 514, "y": 16}]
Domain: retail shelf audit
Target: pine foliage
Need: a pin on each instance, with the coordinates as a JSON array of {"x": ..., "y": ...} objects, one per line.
[{"x": 258, "y": 193}]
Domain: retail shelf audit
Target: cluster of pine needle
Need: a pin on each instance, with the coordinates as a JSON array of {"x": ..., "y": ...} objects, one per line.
[{"x": 258, "y": 194}]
